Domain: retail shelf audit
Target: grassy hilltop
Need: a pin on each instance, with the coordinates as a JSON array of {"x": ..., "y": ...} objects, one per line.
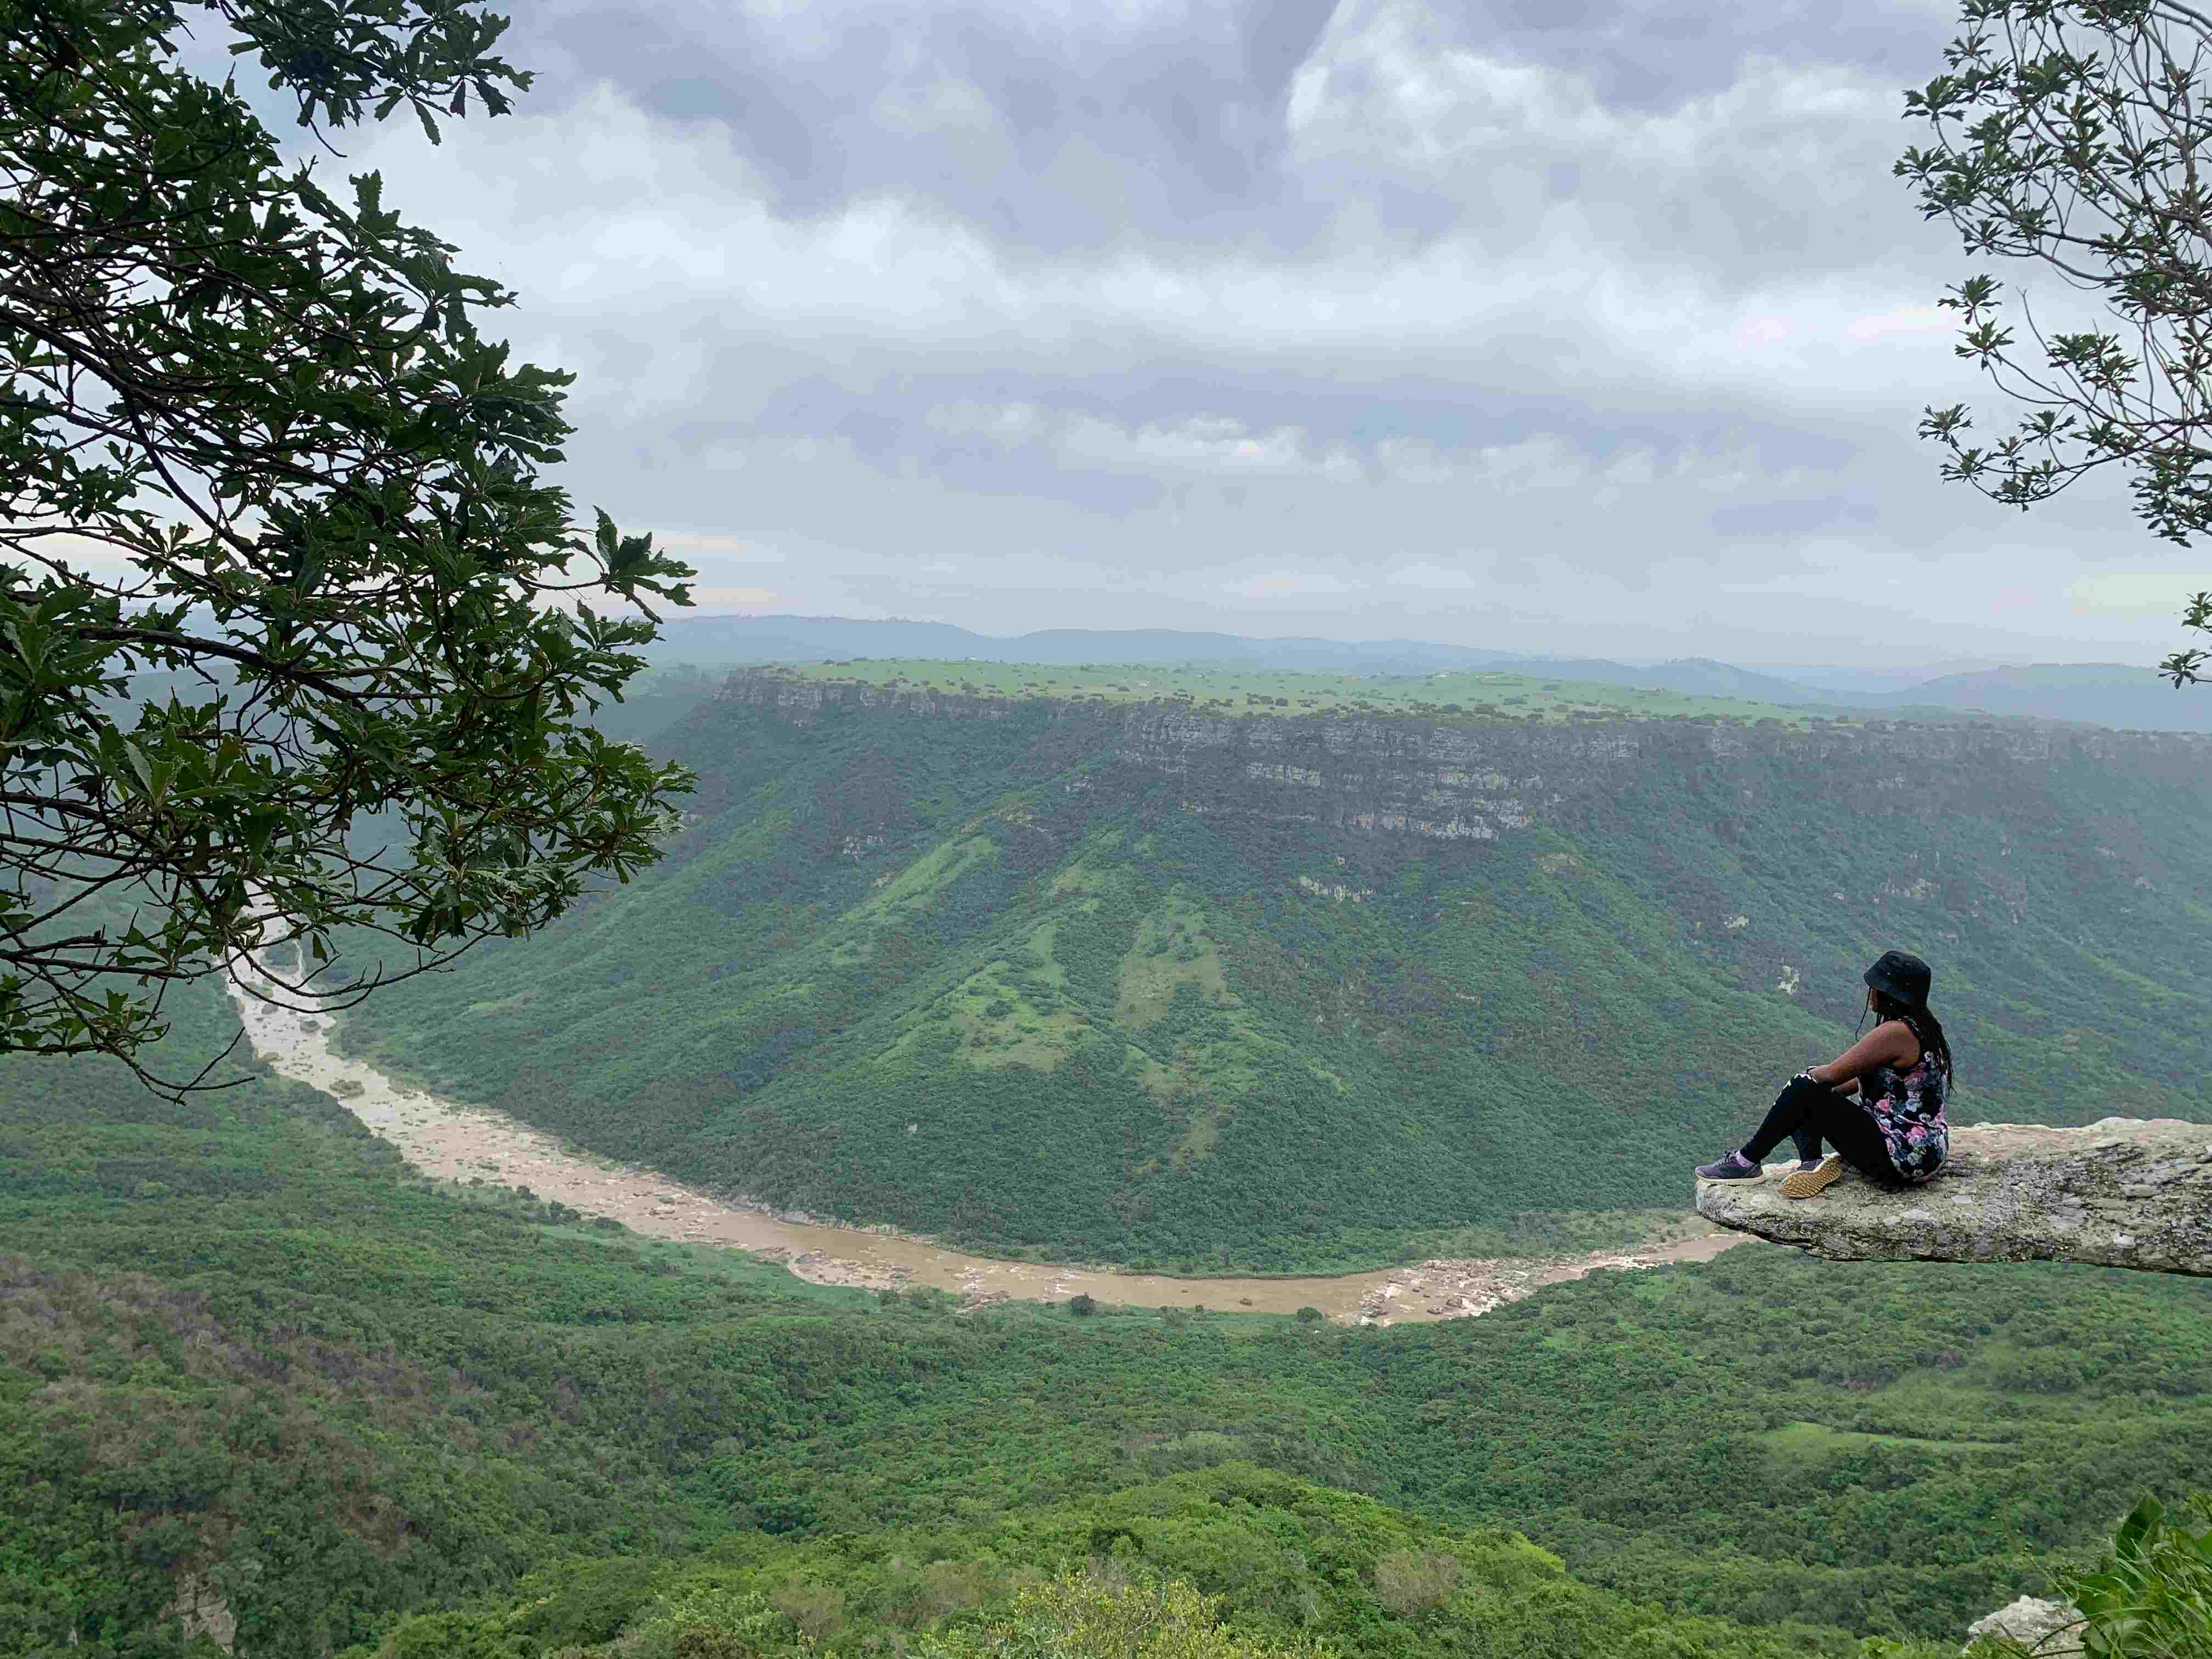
[
  {"x": 1076, "y": 974},
  {"x": 1237, "y": 690}
]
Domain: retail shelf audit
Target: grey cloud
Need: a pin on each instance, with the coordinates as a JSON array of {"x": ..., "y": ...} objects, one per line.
[
  {"x": 1791, "y": 518},
  {"x": 1186, "y": 110},
  {"x": 1658, "y": 54},
  {"x": 1174, "y": 131},
  {"x": 1077, "y": 409},
  {"x": 1194, "y": 496},
  {"x": 1053, "y": 134},
  {"x": 1005, "y": 420}
]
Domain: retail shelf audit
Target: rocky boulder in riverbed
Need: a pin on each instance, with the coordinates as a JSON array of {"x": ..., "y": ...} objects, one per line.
[{"x": 2122, "y": 1192}]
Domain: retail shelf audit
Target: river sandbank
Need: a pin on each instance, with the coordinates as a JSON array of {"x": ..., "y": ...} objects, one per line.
[{"x": 448, "y": 1140}]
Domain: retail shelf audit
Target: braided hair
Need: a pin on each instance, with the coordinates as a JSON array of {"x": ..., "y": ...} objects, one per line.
[{"x": 1924, "y": 1023}]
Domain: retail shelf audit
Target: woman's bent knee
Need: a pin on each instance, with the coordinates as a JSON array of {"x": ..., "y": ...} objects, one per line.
[{"x": 1806, "y": 1090}]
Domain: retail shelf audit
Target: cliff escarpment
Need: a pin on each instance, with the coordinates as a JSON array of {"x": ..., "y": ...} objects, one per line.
[
  {"x": 1471, "y": 778},
  {"x": 1131, "y": 980}
]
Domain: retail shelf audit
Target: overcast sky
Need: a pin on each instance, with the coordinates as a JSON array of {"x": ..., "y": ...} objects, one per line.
[{"x": 1534, "y": 323}]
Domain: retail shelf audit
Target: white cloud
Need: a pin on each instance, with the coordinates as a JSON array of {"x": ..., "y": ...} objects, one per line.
[
  {"x": 739, "y": 598},
  {"x": 1291, "y": 584},
  {"x": 1439, "y": 578},
  {"x": 1038, "y": 315},
  {"x": 2161, "y": 594}
]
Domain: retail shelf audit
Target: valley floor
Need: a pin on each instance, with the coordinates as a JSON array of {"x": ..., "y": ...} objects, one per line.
[{"x": 450, "y": 1141}]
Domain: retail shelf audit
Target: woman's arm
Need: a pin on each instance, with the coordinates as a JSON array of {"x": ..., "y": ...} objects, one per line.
[{"x": 1890, "y": 1043}]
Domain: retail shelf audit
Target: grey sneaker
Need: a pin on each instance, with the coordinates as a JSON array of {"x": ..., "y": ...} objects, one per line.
[
  {"x": 1807, "y": 1165},
  {"x": 1734, "y": 1167}
]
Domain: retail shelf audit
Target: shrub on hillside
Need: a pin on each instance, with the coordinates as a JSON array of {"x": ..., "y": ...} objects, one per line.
[
  {"x": 1085, "y": 1615},
  {"x": 816, "y": 1611},
  {"x": 1414, "y": 1581}
]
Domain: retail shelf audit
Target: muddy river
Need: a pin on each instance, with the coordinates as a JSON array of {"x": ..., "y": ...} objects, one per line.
[{"x": 447, "y": 1139}]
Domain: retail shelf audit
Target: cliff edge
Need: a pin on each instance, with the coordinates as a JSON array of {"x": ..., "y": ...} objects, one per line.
[{"x": 2122, "y": 1192}]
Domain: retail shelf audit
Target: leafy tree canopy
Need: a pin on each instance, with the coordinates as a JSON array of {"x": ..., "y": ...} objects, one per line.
[
  {"x": 2076, "y": 134},
  {"x": 277, "y": 565}
]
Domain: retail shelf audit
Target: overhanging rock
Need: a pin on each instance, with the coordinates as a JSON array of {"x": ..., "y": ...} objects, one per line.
[{"x": 2122, "y": 1192}]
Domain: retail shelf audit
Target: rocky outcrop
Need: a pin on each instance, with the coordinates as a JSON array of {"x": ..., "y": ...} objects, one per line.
[
  {"x": 2048, "y": 1630},
  {"x": 1477, "y": 777},
  {"x": 201, "y": 1610},
  {"x": 2122, "y": 1192}
]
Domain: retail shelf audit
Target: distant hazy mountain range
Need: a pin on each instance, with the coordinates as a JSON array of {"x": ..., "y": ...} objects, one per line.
[{"x": 2123, "y": 695}]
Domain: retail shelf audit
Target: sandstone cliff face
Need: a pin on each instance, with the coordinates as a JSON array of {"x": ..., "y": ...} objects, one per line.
[
  {"x": 1475, "y": 779},
  {"x": 2122, "y": 1193},
  {"x": 200, "y": 1610}
]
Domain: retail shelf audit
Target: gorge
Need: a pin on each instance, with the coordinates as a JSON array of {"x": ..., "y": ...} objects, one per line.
[
  {"x": 1123, "y": 978},
  {"x": 448, "y": 1141}
]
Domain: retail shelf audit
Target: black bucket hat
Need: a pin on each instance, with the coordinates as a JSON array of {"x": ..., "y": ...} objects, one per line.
[{"x": 1901, "y": 974}]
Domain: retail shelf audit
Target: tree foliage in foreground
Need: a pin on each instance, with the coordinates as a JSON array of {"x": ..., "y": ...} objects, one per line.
[
  {"x": 2076, "y": 134},
  {"x": 275, "y": 554},
  {"x": 2151, "y": 1598}
]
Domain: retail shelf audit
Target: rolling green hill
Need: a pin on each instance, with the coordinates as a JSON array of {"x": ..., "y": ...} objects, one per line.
[{"x": 1198, "y": 975}]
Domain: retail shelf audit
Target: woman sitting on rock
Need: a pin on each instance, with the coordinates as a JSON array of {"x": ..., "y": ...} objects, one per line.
[{"x": 1894, "y": 1131}]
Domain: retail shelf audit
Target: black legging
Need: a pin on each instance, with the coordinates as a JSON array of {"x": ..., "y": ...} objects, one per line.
[{"x": 1812, "y": 1112}]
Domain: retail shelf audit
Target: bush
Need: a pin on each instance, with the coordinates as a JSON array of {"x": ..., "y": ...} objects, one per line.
[
  {"x": 917, "y": 1598},
  {"x": 1081, "y": 1304},
  {"x": 816, "y": 1611},
  {"x": 1414, "y": 1581},
  {"x": 712, "y": 1622},
  {"x": 1202, "y": 1449},
  {"x": 1083, "y": 1615}
]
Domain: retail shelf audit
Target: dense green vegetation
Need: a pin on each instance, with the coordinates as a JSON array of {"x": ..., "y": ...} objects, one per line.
[
  {"x": 238, "y": 1343},
  {"x": 974, "y": 973},
  {"x": 656, "y": 699},
  {"x": 242, "y": 1350},
  {"x": 1230, "y": 690},
  {"x": 1288, "y": 1568}
]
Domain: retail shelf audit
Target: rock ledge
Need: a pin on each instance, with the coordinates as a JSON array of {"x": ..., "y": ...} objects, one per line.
[{"x": 2122, "y": 1192}]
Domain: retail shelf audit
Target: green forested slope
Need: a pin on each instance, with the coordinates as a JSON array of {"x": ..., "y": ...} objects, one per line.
[
  {"x": 237, "y": 1341},
  {"x": 239, "y": 1345},
  {"x": 1291, "y": 1566},
  {"x": 959, "y": 965}
]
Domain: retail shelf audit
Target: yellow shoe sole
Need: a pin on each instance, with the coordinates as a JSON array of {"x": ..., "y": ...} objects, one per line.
[{"x": 1803, "y": 1184}]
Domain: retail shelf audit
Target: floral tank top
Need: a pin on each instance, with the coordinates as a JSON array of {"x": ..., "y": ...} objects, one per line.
[{"x": 1907, "y": 1108}]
